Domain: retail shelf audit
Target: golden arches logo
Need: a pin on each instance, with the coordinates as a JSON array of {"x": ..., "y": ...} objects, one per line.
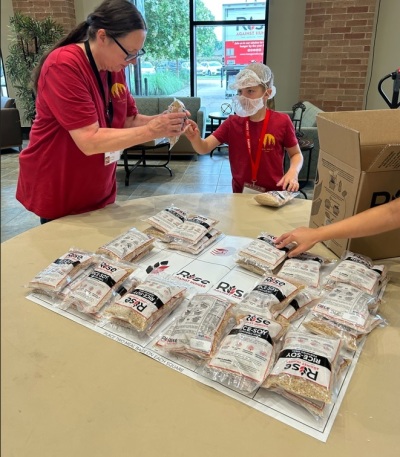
[
  {"x": 117, "y": 89},
  {"x": 269, "y": 139}
]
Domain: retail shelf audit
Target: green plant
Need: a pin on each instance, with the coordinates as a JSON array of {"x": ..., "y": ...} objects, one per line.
[{"x": 30, "y": 39}]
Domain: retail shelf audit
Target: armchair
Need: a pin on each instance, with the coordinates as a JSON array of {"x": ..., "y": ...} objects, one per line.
[{"x": 10, "y": 125}]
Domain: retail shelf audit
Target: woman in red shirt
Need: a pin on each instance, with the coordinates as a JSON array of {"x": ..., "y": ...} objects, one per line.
[{"x": 85, "y": 115}]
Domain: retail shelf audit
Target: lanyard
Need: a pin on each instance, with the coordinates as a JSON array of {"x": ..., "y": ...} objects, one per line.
[
  {"x": 255, "y": 165},
  {"x": 109, "y": 111}
]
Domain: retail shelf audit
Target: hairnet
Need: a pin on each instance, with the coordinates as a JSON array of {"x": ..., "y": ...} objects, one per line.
[{"x": 254, "y": 75}]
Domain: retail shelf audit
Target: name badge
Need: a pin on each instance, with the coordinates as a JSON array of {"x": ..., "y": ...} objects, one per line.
[
  {"x": 111, "y": 157},
  {"x": 252, "y": 189}
]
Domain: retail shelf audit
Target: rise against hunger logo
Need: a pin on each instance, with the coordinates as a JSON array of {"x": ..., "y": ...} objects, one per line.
[
  {"x": 158, "y": 267},
  {"x": 118, "y": 90}
]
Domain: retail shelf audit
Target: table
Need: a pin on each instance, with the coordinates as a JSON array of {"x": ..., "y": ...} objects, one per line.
[
  {"x": 219, "y": 117},
  {"x": 142, "y": 160},
  {"x": 68, "y": 391}
]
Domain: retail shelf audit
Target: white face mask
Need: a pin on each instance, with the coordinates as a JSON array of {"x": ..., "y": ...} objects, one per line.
[{"x": 244, "y": 106}]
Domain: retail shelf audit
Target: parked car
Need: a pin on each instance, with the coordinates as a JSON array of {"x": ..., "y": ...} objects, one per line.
[
  {"x": 147, "y": 68},
  {"x": 201, "y": 69},
  {"x": 212, "y": 68}
]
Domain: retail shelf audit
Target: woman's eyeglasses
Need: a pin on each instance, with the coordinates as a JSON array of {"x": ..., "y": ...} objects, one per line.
[{"x": 129, "y": 56}]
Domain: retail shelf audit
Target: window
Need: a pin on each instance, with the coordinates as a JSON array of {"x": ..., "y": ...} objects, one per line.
[{"x": 198, "y": 51}]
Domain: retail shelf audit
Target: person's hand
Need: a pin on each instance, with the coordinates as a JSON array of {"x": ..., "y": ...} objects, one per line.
[
  {"x": 191, "y": 130},
  {"x": 304, "y": 237},
  {"x": 289, "y": 182},
  {"x": 168, "y": 124}
]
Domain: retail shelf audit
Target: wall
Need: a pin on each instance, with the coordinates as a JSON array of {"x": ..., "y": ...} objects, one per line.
[
  {"x": 62, "y": 11},
  {"x": 384, "y": 57}
]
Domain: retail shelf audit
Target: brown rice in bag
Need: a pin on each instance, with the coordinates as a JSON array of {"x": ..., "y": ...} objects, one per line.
[
  {"x": 275, "y": 198},
  {"x": 62, "y": 271},
  {"x": 193, "y": 229},
  {"x": 246, "y": 355},
  {"x": 306, "y": 366},
  {"x": 128, "y": 246},
  {"x": 175, "y": 107},
  {"x": 261, "y": 255},
  {"x": 168, "y": 218},
  {"x": 343, "y": 312},
  {"x": 199, "y": 330},
  {"x": 145, "y": 305},
  {"x": 304, "y": 268},
  {"x": 91, "y": 294},
  {"x": 359, "y": 271},
  {"x": 198, "y": 247},
  {"x": 297, "y": 307},
  {"x": 269, "y": 297}
]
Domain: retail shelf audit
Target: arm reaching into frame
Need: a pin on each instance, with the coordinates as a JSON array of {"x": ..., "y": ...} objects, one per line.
[{"x": 373, "y": 221}]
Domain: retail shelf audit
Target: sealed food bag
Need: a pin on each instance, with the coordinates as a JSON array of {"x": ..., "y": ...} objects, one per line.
[
  {"x": 307, "y": 365},
  {"x": 62, "y": 271},
  {"x": 199, "y": 330},
  {"x": 305, "y": 268},
  {"x": 196, "y": 248},
  {"x": 157, "y": 234},
  {"x": 175, "y": 107},
  {"x": 343, "y": 312},
  {"x": 261, "y": 255},
  {"x": 298, "y": 306},
  {"x": 129, "y": 246},
  {"x": 359, "y": 271},
  {"x": 193, "y": 229},
  {"x": 168, "y": 218},
  {"x": 246, "y": 355},
  {"x": 145, "y": 306},
  {"x": 318, "y": 409},
  {"x": 275, "y": 198},
  {"x": 91, "y": 294},
  {"x": 270, "y": 296}
]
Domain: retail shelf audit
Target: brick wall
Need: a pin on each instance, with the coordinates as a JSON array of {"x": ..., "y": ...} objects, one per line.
[
  {"x": 337, "y": 42},
  {"x": 62, "y": 11}
]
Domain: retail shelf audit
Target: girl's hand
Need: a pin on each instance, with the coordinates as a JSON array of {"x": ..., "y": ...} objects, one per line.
[{"x": 289, "y": 182}]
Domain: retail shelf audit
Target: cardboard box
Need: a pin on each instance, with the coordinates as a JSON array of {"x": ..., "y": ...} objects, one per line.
[{"x": 358, "y": 168}]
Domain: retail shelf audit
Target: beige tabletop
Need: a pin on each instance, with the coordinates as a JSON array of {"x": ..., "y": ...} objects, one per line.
[{"x": 68, "y": 391}]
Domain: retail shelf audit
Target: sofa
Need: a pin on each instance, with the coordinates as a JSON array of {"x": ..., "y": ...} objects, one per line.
[
  {"x": 155, "y": 105},
  {"x": 10, "y": 125},
  {"x": 309, "y": 129}
]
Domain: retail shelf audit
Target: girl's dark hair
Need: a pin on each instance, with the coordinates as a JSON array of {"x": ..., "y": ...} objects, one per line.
[{"x": 117, "y": 17}]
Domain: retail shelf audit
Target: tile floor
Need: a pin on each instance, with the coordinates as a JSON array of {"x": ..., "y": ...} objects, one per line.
[{"x": 203, "y": 174}]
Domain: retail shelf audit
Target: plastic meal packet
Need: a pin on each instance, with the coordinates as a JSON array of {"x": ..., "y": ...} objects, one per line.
[
  {"x": 306, "y": 366},
  {"x": 128, "y": 246},
  {"x": 62, "y": 271},
  {"x": 359, "y": 271},
  {"x": 198, "y": 247},
  {"x": 270, "y": 296},
  {"x": 175, "y": 107},
  {"x": 199, "y": 330},
  {"x": 157, "y": 234},
  {"x": 192, "y": 229},
  {"x": 168, "y": 218},
  {"x": 304, "y": 268},
  {"x": 275, "y": 198},
  {"x": 246, "y": 355},
  {"x": 144, "y": 306},
  {"x": 344, "y": 312},
  {"x": 261, "y": 255},
  {"x": 318, "y": 409},
  {"x": 96, "y": 289},
  {"x": 297, "y": 307}
]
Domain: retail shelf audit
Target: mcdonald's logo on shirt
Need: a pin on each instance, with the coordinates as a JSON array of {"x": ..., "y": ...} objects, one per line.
[
  {"x": 269, "y": 139},
  {"x": 118, "y": 89}
]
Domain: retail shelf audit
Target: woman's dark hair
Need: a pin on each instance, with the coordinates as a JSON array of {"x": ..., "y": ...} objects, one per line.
[{"x": 117, "y": 17}]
